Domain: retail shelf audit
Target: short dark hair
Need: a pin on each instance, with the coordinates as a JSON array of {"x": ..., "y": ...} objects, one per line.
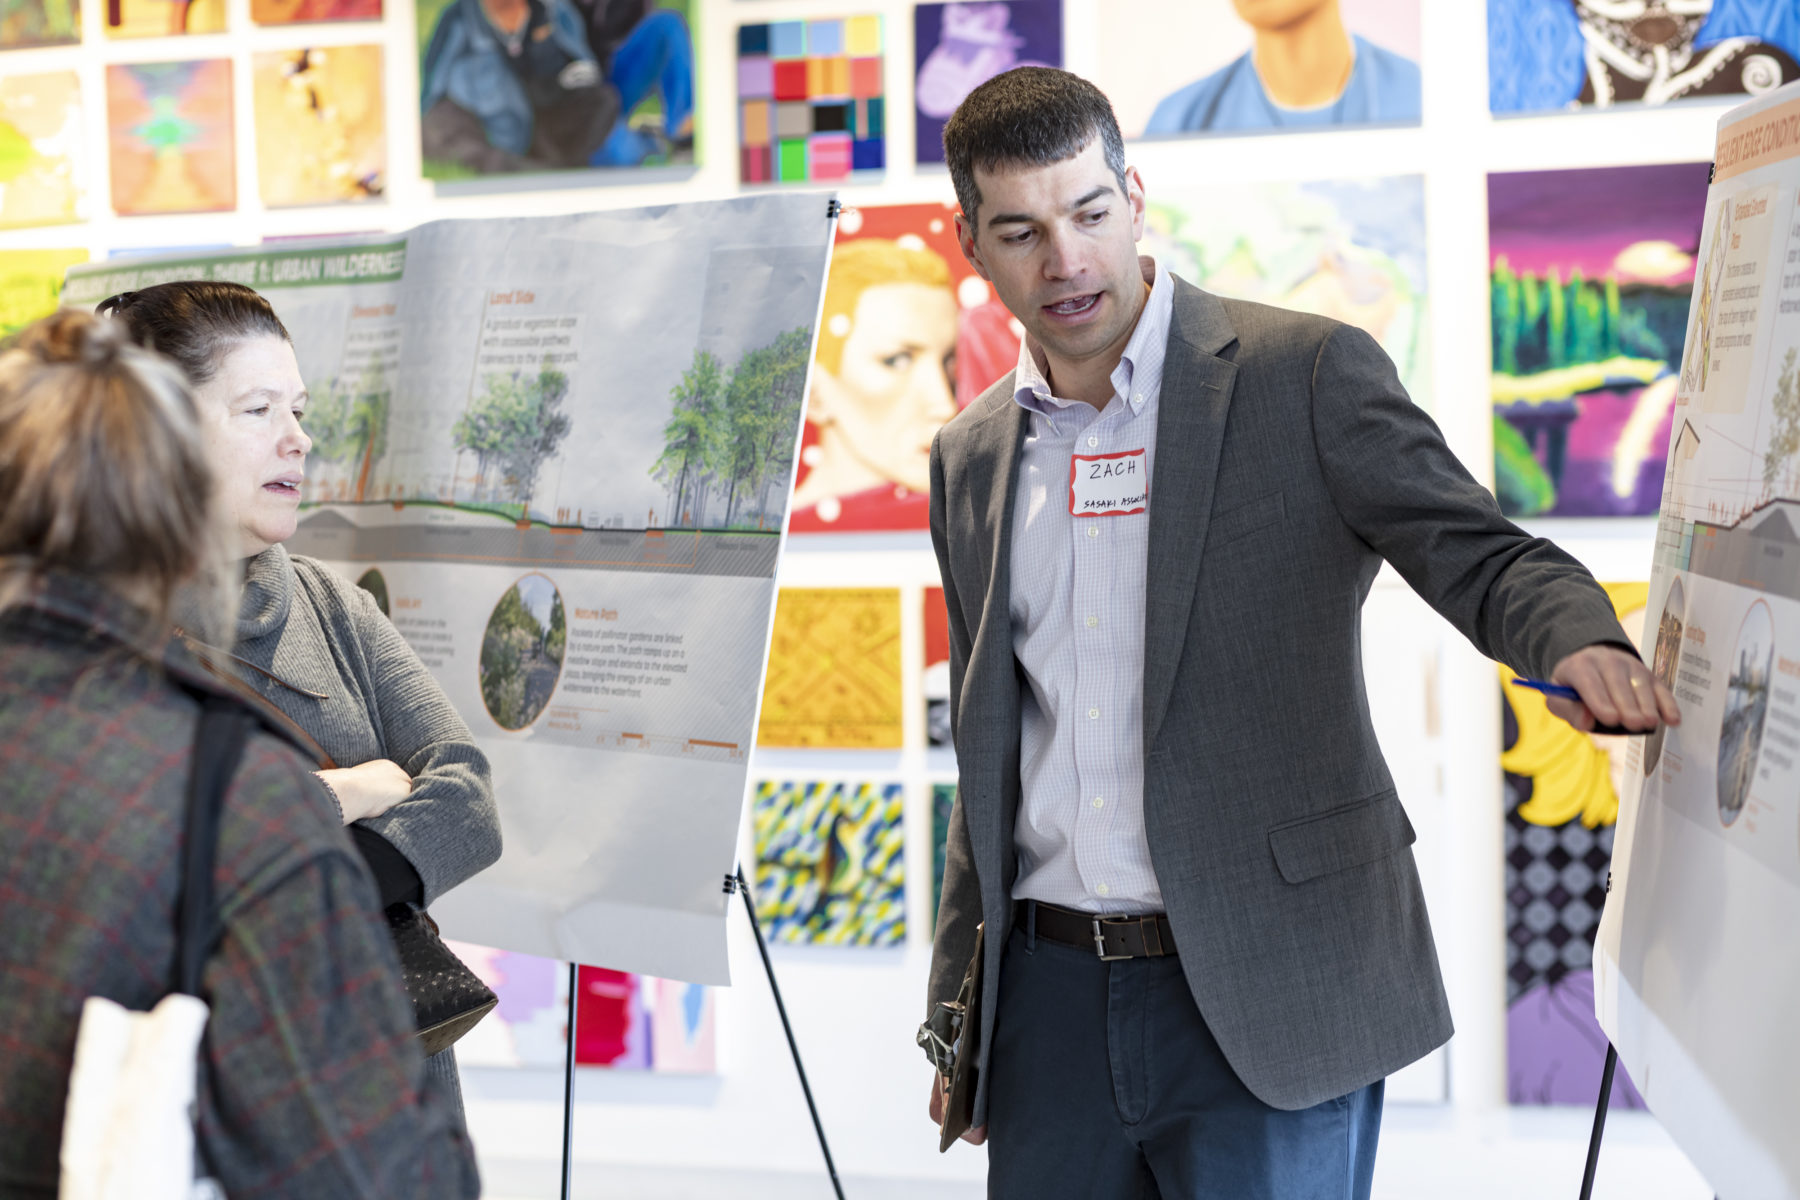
[
  {"x": 1028, "y": 116},
  {"x": 194, "y": 321}
]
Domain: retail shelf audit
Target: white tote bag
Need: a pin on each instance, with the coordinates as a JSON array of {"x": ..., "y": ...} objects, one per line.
[
  {"x": 128, "y": 1131},
  {"x": 128, "y": 1128}
]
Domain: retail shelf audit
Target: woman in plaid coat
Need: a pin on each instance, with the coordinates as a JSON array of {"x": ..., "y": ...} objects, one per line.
[{"x": 311, "y": 1082}]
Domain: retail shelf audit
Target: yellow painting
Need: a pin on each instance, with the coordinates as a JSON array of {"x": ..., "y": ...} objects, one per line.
[
  {"x": 834, "y": 670},
  {"x": 163, "y": 18},
  {"x": 320, "y": 136},
  {"x": 40, "y": 149},
  {"x": 1573, "y": 774},
  {"x": 31, "y": 285}
]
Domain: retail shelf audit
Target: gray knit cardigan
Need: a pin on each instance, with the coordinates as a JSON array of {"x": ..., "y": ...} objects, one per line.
[
  {"x": 345, "y": 675},
  {"x": 341, "y": 670}
]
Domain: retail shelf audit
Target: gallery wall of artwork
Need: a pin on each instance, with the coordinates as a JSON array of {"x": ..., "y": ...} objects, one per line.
[{"x": 1515, "y": 221}]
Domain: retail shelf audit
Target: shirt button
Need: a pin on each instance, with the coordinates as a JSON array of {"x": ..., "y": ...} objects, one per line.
[
  {"x": 1104, "y": 890},
  {"x": 1093, "y": 441},
  {"x": 1093, "y": 621},
  {"x": 1093, "y": 714},
  {"x": 1099, "y": 802},
  {"x": 1093, "y": 531},
  {"x": 1137, "y": 398}
]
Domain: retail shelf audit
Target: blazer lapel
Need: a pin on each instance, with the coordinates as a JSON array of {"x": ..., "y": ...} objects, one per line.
[
  {"x": 992, "y": 465},
  {"x": 1190, "y": 432}
]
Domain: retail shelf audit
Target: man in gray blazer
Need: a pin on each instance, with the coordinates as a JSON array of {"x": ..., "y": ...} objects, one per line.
[{"x": 1205, "y": 940}]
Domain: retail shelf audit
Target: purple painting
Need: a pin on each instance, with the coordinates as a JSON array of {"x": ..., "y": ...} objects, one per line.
[
  {"x": 1591, "y": 272},
  {"x": 958, "y": 47}
]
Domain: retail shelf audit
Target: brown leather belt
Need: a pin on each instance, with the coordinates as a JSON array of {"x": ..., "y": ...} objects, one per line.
[{"x": 1110, "y": 938}]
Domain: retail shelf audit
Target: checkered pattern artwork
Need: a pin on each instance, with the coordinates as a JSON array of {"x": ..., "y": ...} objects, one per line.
[{"x": 810, "y": 104}]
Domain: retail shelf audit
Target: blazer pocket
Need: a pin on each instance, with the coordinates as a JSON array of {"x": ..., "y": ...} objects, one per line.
[
  {"x": 1350, "y": 836},
  {"x": 1244, "y": 519}
]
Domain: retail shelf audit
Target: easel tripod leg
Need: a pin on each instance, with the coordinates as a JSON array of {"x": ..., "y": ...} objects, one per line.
[
  {"x": 1606, "y": 1084},
  {"x": 762, "y": 948},
  {"x": 568, "y": 1149}
]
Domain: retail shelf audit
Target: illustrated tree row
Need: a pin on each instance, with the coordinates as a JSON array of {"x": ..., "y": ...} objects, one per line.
[
  {"x": 730, "y": 437},
  {"x": 1541, "y": 324}
]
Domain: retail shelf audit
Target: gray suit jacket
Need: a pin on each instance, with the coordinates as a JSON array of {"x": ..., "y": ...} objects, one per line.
[{"x": 1289, "y": 463}]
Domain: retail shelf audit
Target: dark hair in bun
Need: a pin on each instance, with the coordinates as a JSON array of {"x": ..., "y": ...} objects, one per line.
[{"x": 194, "y": 321}]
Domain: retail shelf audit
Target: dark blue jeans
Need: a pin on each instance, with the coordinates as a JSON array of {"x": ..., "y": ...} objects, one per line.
[{"x": 1105, "y": 1084}]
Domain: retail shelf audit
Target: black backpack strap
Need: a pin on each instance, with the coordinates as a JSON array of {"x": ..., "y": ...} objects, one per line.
[{"x": 219, "y": 738}]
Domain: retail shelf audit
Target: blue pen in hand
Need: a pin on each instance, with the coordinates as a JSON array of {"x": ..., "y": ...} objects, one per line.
[{"x": 1569, "y": 693}]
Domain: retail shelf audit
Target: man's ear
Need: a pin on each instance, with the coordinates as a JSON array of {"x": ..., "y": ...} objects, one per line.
[
  {"x": 1134, "y": 197},
  {"x": 965, "y": 238}
]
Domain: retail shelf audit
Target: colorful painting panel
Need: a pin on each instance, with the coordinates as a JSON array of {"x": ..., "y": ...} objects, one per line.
[
  {"x": 31, "y": 285},
  {"x": 958, "y": 47},
  {"x": 911, "y": 335},
  {"x": 40, "y": 149},
  {"x": 170, "y": 131},
  {"x": 604, "y": 86},
  {"x": 1591, "y": 274},
  {"x": 834, "y": 670},
  {"x": 1562, "y": 802},
  {"x": 1177, "y": 68},
  {"x": 320, "y": 131},
  {"x": 622, "y": 1021},
  {"x": 39, "y": 23},
  {"x": 1561, "y": 55},
  {"x": 830, "y": 863},
  {"x": 163, "y": 18},
  {"x": 294, "y": 12},
  {"x": 1353, "y": 250},
  {"x": 823, "y": 81}
]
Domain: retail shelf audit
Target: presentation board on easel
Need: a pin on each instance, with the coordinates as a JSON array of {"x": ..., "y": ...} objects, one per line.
[
  {"x": 1697, "y": 977},
  {"x": 558, "y": 453}
]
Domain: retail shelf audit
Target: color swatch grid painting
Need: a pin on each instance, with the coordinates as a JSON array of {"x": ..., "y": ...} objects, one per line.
[
  {"x": 830, "y": 863},
  {"x": 169, "y": 125},
  {"x": 810, "y": 104},
  {"x": 40, "y": 149},
  {"x": 319, "y": 128}
]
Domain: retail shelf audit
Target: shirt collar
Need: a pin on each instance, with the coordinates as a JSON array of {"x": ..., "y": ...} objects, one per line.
[{"x": 1031, "y": 384}]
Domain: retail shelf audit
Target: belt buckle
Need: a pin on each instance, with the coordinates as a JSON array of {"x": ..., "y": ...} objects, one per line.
[{"x": 1100, "y": 940}]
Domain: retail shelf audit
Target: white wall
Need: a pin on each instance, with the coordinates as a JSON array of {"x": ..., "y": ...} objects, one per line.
[{"x": 855, "y": 1010}]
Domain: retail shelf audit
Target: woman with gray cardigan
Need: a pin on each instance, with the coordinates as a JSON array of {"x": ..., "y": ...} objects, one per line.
[{"x": 416, "y": 796}]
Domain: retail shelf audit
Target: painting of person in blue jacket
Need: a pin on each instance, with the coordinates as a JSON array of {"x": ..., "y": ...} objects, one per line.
[
  {"x": 535, "y": 85},
  {"x": 1304, "y": 70}
]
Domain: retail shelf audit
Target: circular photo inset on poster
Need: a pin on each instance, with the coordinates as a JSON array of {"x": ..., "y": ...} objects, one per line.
[
  {"x": 372, "y": 582},
  {"x": 1746, "y": 703},
  {"x": 1664, "y": 662},
  {"x": 522, "y": 651}
]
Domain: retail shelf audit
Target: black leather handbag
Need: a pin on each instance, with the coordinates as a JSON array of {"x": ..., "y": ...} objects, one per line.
[{"x": 448, "y": 999}]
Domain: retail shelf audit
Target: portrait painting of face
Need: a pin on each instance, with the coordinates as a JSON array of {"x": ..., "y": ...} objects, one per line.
[
  {"x": 909, "y": 336},
  {"x": 1175, "y": 68}
]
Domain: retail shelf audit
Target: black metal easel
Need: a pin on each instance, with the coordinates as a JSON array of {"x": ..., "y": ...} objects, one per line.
[
  {"x": 1606, "y": 1085},
  {"x": 733, "y": 883}
]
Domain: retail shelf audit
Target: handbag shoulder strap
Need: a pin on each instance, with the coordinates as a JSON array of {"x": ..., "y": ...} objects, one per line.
[{"x": 219, "y": 738}]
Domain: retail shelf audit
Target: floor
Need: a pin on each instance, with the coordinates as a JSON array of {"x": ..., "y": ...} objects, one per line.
[{"x": 1426, "y": 1154}]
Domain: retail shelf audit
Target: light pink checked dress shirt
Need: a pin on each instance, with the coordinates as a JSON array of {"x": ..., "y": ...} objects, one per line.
[{"x": 1078, "y": 630}]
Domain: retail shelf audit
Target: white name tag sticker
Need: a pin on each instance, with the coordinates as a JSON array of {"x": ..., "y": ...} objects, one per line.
[{"x": 1109, "y": 485}]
